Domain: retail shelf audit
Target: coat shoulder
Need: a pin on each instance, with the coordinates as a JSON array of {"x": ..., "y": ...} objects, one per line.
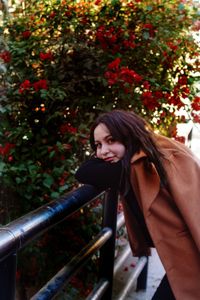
[{"x": 169, "y": 147}]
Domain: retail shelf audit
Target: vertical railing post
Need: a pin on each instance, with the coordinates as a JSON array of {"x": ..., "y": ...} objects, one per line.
[
  {"x": 8, "y": 277},
  {"x": 142, "y": 278},
  {"x": 107, "y": 252}
]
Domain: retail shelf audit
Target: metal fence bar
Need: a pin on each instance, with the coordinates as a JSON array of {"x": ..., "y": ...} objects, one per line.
[
  {"x": 120, "y": 220},
  {"x": 133, "y": 277},
  {"x": 99, "y": 290},
  {"x": 189, "y": 139},
  {"x": 107, "y": 252},
  {"x": 25, "y": 229},
  {"x": 101, "y": 287},
  {"x": 142, "y": 279},
  {"x": 8, "y": 278},
  {"x": 20, "y": 232},
  {"x": 121, "y": 259},
  {"x": 59, "y": 280}
]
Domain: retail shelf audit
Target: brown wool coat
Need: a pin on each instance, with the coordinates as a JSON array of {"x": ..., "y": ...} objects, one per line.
[{"x": 172, "y": 218}]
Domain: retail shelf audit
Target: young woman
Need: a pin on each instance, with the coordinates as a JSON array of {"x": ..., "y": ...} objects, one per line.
[{"x": 159, "y": 180}]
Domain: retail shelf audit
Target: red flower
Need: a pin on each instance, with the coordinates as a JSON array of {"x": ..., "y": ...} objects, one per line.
[
  {"x": 10, "y": 158},
  {"x": 148, "y": 26},
  {"x": 68, "y": 13},
  {"x": 175, "y": 100},
  {"x": 108, "y": 37},
  {"x": 129, "y": 75},
  {"x": 111, "y": 77},
  {"x": 67, "y": 128},
  {"x": 26, "y": 34},
  {"x": 40, "y": 85},
  {"x": 63, "y": 178},
  {"x": 52, "y": 15},
  {"x": 149, "y": 101},
  {"x": 122, "y": 76},
  {"x": 46, "y": 56},
  {"x": 185, "y": 92},
  {"x": 5, "y": 150},
  {"x": 115, "y": 63},
  {"x": 129, "y": 44},
  {"x": 196, "y": 117},
  {"x": 183, "y": 80},
  {"x": 158, "y": 94},
  {"x": 62, "y": 181},
  {"x": 6, "y": 56},
  {"x": 97, "y": 2},
  {"x": 146, "y": 85},
  {"x": 172, "y": 46},
  {"x": 147, "y": 94},
  {"x": 26, "y": 85},
  {"x": 196, "y": 103}
]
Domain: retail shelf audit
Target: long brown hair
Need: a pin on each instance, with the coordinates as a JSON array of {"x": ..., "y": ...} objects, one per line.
[{"x": 134, "y": 133}]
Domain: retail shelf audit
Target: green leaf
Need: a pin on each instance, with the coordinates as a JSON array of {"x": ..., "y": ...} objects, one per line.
[
  {"x": 32, "y": 168},
  {"x": 14, "y": 169},
  {"x": 55, "y": 195},
  {"x": 58, "y": 171},
  {"x": 18, "y": 180},
  {"x": 52, "y": 154},
  {"x": 181, "y": 6},
  {"x": 2, "y": 166},
  {"x": 2, "y": 109},
  {"x": 149, "y": 7},
  {"x": 63, "y": 188},
  {"x": 28, "y": 196},
  {"x": 43, "y": 94},
  {"x": 146, "y": 35},
  {"x": 48, "y": 181}
]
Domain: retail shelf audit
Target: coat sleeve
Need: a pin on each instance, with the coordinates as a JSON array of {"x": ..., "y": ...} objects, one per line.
[
  {"x": 99, "y": 173},
  {"x": 183, "y": 171}
]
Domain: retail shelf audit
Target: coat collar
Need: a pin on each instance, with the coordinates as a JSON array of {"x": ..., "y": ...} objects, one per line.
[
  {"x": 138, "y": 156},
  {"x": 146, "y": 183}
]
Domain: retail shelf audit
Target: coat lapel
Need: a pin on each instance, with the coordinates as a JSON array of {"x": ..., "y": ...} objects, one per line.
[{"x": 145, "y": 181}]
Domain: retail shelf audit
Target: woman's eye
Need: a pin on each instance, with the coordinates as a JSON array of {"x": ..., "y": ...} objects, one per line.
[
  {"x": 110, "y": 141},
  {"x": 98, "y": 146}
]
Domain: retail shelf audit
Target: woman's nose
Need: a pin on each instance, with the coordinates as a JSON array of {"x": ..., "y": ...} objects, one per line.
[{"x": 104, "y": 149}]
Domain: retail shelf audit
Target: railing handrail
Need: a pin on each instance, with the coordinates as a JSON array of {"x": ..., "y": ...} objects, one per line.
[
  {"x": 20, "y": 232},
  {"x": 55, "y": 284},
  {"x": 23, "y": 230}
]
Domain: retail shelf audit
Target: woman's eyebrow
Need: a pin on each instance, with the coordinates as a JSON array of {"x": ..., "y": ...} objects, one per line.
[
  {"x": 108, "y": 136},
  {"x": 105, "y": 138},
  {"x": 96, "y": 141}
]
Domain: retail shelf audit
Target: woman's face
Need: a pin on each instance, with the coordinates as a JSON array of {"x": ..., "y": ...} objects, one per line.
[{"x": 107, "y": 148}]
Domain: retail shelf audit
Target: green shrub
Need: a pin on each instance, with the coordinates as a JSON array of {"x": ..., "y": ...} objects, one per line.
[{"x": 67, "y": 61}]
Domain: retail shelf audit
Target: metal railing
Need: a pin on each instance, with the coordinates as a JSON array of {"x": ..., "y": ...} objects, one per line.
[{"x": 22, "y": 231}]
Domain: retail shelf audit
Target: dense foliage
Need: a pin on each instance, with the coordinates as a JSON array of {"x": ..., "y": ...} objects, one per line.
[
  {"x": 63, "y": 62},
  {"x": 67, "y": 60}
]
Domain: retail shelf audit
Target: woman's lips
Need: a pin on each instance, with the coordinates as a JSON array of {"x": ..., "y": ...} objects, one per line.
[{"x": 109, "y": 159}]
